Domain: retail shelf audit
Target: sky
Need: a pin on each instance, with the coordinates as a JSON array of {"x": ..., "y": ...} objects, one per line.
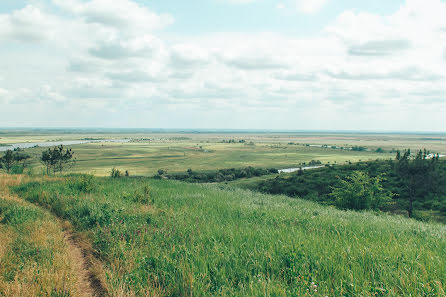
[{"x": 375, "y": 65}]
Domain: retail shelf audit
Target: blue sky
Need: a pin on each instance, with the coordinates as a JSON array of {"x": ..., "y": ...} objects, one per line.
[
  {"x": 207, "y": 16},
  {"x": 235, "y": 64}
]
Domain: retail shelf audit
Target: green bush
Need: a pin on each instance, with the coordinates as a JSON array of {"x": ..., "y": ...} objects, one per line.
[
  {"x": 359, "y": 191},
  {"x": 83, "y": 183}
]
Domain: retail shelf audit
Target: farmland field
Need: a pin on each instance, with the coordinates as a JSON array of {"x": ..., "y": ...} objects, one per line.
[{"x": 145, "y": 153}]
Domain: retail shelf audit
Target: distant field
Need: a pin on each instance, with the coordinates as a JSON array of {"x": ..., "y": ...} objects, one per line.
[
  {"x": 177, "y": 152},
  {"x": 147, "y": 158}
]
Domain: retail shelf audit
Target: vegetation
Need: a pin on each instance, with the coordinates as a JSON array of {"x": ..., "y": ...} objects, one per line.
[
  {"x": 360, "y": 192},
  {"x": 165, "y": 238},
  {"x": 220, "y": 175},
  {"x": 418, "y": 176},
  {"x": 177, "y": 155},
  {"x": 34, "y": 257},
  {"x": 57, "y": 159},
  {"x": 12, "y": 158},
  {"x": 415, "y": 183}
]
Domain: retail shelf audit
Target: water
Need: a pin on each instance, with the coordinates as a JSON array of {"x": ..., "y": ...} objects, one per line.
[
  {"x": 54, "y": 143},
  {"x": 290, "y": 170}
]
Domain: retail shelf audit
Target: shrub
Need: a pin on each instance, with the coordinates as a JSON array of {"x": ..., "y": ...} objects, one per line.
[
  {"x": 359, "y": 191},
  {"x": 115, "y": 173},
  {"x": 84, "y": 183}
]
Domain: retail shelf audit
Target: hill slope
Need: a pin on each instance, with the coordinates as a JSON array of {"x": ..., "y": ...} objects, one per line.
[{"x": 169, "y": 238}]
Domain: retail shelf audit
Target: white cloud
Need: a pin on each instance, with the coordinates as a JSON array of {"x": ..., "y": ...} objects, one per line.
[
  {"x": 121, "y": 14},
  {"x": 29, "y": 24},
  {"x": 113, "y": 55},
  {"x": 310, "y": 6}
]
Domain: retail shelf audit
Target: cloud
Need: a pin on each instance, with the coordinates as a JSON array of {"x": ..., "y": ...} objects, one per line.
[
  {"x": 296, "y": 76},
  {"x": 29, "y": 24},
  {"x": 255, "y": 63},
  {"x": 186, "y": 56},
  {"x": 120, "y": 14},
  {"x": 92, "y": 55},
  {"x": 310, "y": 6},
  {"x": 410, "y": 74},
  {"x": 135, "y": 76},
  {"x": 144, "y": 46},
  {"x": 379, "y": 48}
]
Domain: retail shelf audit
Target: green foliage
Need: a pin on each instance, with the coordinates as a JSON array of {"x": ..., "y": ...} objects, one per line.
[
  {"x": 418, "y": 175},
  {"x": 316, "y": 184},
  {"x": 140, "y": 196},
  {"x": 13, "y": 214},
  {"x": 82, "y": 183},
  {"x": 200, "y": 240},
  {"x": 359, "y": 191},
  {"x": 57, "y": 159},
  {"x": 115, "y": 173},
  {"x": 221, "y": 175},
  {"x": 11, "y": 160}
]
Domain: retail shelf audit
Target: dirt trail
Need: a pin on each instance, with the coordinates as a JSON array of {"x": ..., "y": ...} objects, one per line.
[
  {"x": 80, "y": 264},
  {"x": 88, "y": 284}
]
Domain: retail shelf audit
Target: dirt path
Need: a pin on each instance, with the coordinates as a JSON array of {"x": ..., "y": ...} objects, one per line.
[
  {"x": 84, "y": 277},
  {"x": 88, "y": 284}
]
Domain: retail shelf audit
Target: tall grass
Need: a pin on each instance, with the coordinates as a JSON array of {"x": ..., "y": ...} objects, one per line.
[
  {"x": 33, "y": 254},
  {"x": 165, "y": 238}
]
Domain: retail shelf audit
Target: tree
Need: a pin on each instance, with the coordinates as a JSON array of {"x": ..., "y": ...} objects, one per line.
[
  {"x": 417, "y": 175},
  {"x": 47, "y": 160},
  {"x": 57, "y": 159},
  {"x": 7, "y": 160},
  {"x": 360, "y": 191},
  {"x": 115, "y": 173},
  {"x": 11, "y": 158}
]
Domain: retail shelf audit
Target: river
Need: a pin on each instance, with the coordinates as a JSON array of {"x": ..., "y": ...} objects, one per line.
[{"x": 289, "y": 170}]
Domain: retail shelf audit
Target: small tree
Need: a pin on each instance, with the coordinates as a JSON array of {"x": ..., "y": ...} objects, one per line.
[
  {"x": 115, "y": 173},
  {"x": 7, "y": 161},
  {"x": 64, "y": 158},
  {"x": 360, "y": 191},
  {"x": 11, "y": 158},
  {"x": 57, "y": 159}
]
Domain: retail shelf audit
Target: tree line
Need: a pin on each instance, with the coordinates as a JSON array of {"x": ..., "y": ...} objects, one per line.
[
  {"x": 409, "y": 182},
  {"x": 55, "y": 159}
]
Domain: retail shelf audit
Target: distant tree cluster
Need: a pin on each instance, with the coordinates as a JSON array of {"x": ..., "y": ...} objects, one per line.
[
  {"x": 218, "y": 176},
  {"x": 233, "y": 141},
  {"x": 417, "y": 180},
  {"x": 57, "y": 159},
  {"x": 116, "y": 173},
  {"x": 418, "y": 175},
  {"x": 359, "y": 149}
]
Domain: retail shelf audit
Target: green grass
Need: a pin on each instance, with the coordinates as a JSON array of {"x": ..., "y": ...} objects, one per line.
[
  {"x": 175, "y": 239},
  {"x": 178, "y": 152},
  {"x": 33, "y": 254},
  {"x": 146, "y": 158}
]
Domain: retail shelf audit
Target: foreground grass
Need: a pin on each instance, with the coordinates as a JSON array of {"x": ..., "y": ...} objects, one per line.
[
  {"x": 34, "y": 260},
  {"x": 165, "y": 238}
]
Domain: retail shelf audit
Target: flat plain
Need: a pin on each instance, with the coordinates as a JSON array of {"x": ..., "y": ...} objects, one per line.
[{"x": 143, "y": 154}]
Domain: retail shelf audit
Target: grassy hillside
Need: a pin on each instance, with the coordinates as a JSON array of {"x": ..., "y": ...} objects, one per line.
[
  {"x": 34, "y": 257},
  {"x": 165, "y": 238}
]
